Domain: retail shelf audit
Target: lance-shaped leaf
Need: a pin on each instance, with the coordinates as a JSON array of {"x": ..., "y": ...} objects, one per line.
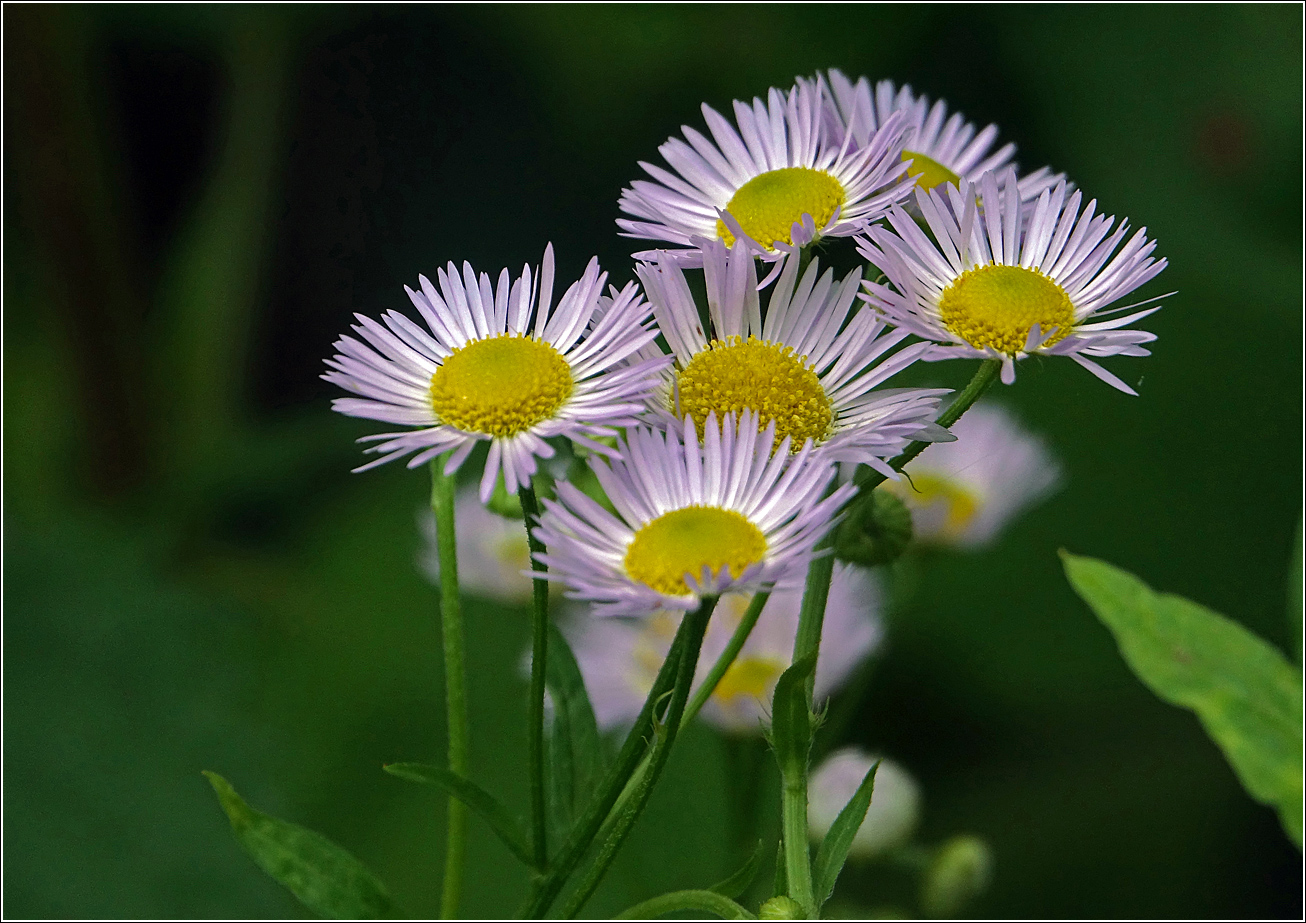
[
  {"x": 567, "y": 688},
  {"x": 485, "y": 805},
  {"x": 791, "y": 718},
  {"x": 1246, "y": 694},
  {"x": 326, "y": 879},
  {"x": 834, "y": 848},
  {"x": 738, "y": 883}
]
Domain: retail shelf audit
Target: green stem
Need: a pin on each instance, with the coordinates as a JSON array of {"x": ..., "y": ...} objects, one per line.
[
  {"x": 728, "y": 655},
  {"x": 811, "y": 617},
  {"x": 451, "y": 619},
  {"x": 539, "y": 652},
  {"x": 705, "y": 901},
  {"x": 628, "y": 760},
  {"x": 798, "y": 858},
  {"x": 693, "y": 626}
]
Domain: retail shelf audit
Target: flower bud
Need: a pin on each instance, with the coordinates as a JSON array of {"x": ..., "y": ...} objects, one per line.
[
  {"x": 959, "y": 872},
  {"x": 781, "y": 907},
  {"x": 877, "y": 530},
  {"x": 895, "y": 801}
]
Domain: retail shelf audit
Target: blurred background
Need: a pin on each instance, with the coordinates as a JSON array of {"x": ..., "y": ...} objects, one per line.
[{"x": 198, "y": 197}]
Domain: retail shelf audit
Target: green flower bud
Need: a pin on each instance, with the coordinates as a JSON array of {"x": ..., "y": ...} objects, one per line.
[
  {"x": 876, "y": 531},
  {"x": 503, "y": 503},
  {"x": 959, "y": 872},
  {"x": 781, "y": 907}
]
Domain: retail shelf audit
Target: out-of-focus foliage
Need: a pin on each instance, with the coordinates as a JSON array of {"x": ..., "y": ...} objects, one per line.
[
  {"x": 1248, "y": 697},
  {"x": 198, "y": 199}
]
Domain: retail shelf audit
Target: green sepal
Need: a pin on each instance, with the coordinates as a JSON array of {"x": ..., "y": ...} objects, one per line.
[
  {"x": 486, "y": 806},
  {"x": 738, "y": 883},
  {"x": 877, "y": 530},
  {"x": 791, "y": 718},
  {"x": 832, "y": 855},
  {"x": 325, "y": 877},
  {"x": 1246, "y": 694}
]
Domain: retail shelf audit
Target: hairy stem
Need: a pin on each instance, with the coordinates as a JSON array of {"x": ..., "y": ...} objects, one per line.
[{"x": 539, "y": 653}]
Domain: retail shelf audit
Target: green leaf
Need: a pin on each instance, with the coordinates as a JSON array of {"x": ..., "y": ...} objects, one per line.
[
  {"x": 485, "y": 805},
  {"x": 738, "y": 883},
  {"x": 567, "y": 688},
  {"x": 781, "y": 886},
  {"x": 834, "y": 848},
  {"x": 1246, "y": 694},
  {"x": 560, "y": 788},
  {"x": 791, "y": 718},
  {"x": 679, "y": 901},
  {"x": 326, "y": 879}
]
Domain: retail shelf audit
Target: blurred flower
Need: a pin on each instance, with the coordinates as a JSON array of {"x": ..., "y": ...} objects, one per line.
[
  {"x": 492, "y": 551},
  {"x": 895, "y": 801},
  {"x": 496, "y": 366},
  {"x": 619, "y": 658},
  {"x": 810, "y": 368},
  {"x": 941, "y": 149},
  {"x": 777, "y": 180},
  {"x": 964, "y": 492},
  {"x": 1000, "y": 283},
  {"x": 692, "y": 520}
]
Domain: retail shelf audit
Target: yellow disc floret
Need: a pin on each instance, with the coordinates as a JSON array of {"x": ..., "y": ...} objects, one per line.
[
  {"x": 500, "y": 386},
  {"x": 685, "y": 541},
  {"x": 928, "y": 172},
  {"x": 994, "y": 307},
  {"x": 734, "y": 375},
  {"x": 751, "y": 677},
  {"x": 768, "y": 205}
]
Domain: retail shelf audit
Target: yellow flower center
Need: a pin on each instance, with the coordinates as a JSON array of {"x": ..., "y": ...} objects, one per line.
[
  {"x": 928, "y": 172},
  {"x": 734, "y": 375},
  {"x": 687, "y": 540},
  {"x": 768, "y": 205},
  {"x": 943, "y": 497},
  {"x": 995, "y": 306},
  {"x": 751, "y": 677},
  {"x": 500, "y": 386}
]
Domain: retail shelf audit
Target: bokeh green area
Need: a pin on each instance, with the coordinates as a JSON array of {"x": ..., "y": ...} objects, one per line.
[{"x": 198, "y": 198}]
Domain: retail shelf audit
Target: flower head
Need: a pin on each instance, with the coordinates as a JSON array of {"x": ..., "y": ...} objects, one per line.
[
  {"x": 619, "y": 658},
  {"x": 775, "y": 178},
  {"x": 810, "y": 367},
  {"x": 941, "y": 149},
  {"x": 692, "y": 520},
  {"x": 494, "y": 365},
  {"x": 962, "y": 493},
  {"x": 1008, "y": 278}
]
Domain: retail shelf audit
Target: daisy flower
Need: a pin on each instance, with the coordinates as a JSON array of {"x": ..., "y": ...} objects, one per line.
[
  {"x": 1008, "y": 278},
  {"x": 619, "y": 658},
  {"x": 895, "y": 807},
  {"x": 962, "y": 493},
  {"x": 494, "y": 365},
  {"x": 810, "y": 368},
  {"x": 692, "y": 520},
  {"x": 775, "y": 178},
  {"x": 941, "y": 149}
]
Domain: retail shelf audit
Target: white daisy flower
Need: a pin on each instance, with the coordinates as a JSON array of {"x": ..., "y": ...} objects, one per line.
[
  {"x": 941, "y": 149},
  {"x": 1007, "y": 279},
  {"x": 494, "y": 366},
  {"x": 810, "y": 368},
  {"x": 492, "y": 550},
  {"x": 964, "y": 492},
  {"x": 778, "y": 180},
  {"x": 619, "y": 658},
  {"x": 895, "y": 803},
  {"x": 692, "y": 520}
]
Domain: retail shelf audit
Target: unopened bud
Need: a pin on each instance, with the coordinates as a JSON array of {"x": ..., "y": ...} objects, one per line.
[
  {"x": 877, "y": 530},
  {"x": 959, "y": 872},
  {"x": 781, "y": 907}
]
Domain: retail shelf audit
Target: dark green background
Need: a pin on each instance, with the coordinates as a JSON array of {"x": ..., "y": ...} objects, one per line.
[{"x": 197, "y": 198}]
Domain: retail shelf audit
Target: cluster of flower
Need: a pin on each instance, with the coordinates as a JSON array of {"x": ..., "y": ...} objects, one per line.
[{"x": 735, "y": 419}]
